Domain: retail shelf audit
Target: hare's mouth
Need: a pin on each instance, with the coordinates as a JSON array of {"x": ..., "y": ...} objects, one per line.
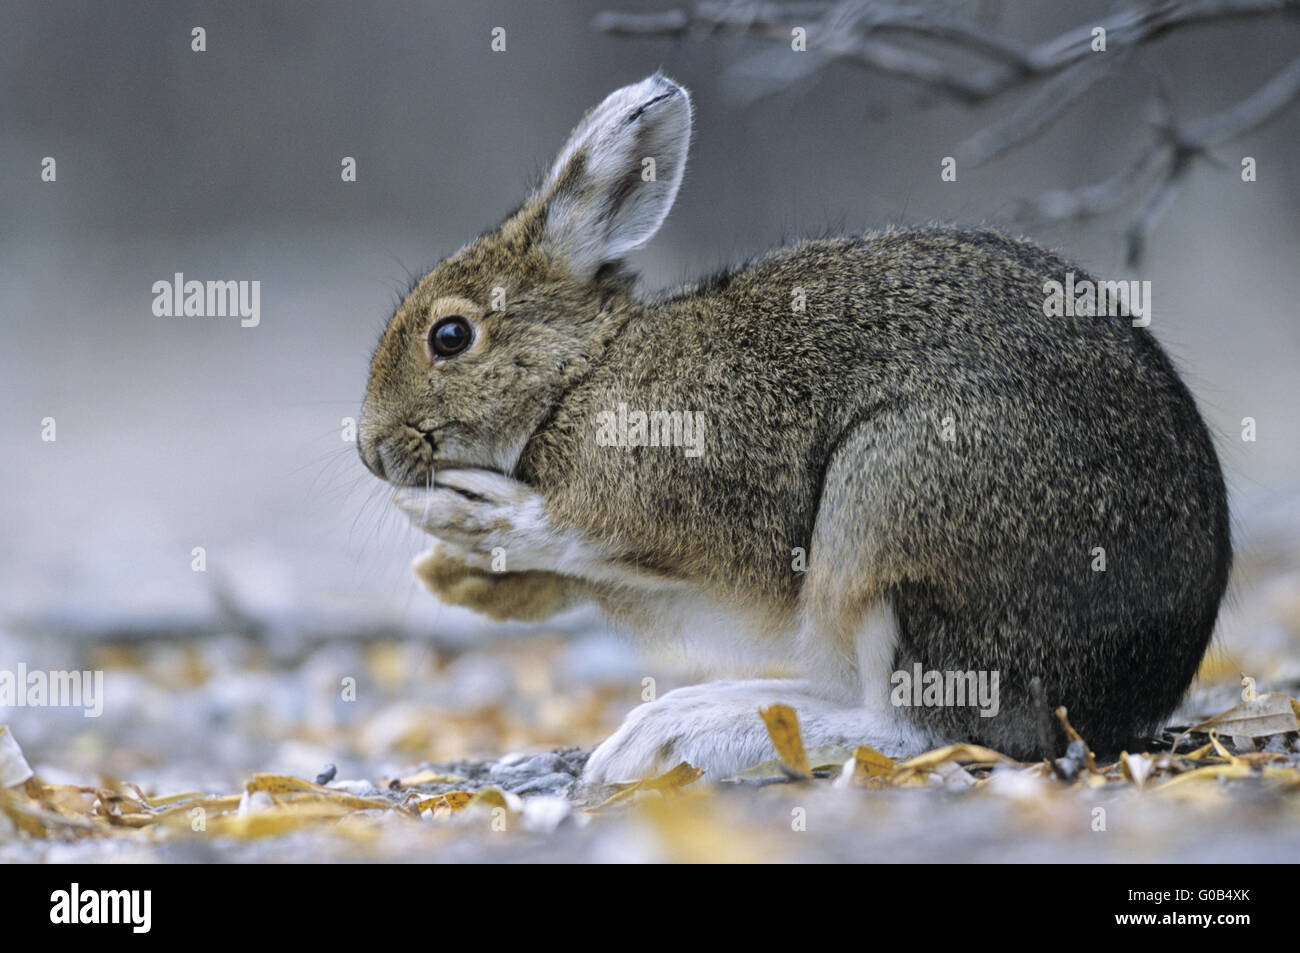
[
  {"x": 419, "y": 458},
  {"x": 440, "y": 466}
]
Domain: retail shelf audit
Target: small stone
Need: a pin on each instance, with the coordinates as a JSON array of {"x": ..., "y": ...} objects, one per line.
[
  {"x": 548, "y": 763},
  {"x": 555, "y": 783}
]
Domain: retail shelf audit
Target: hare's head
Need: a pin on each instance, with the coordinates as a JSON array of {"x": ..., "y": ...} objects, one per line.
[{"x": 482, "y": 348}]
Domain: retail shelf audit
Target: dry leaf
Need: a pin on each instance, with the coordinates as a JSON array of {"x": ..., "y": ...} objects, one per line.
[
  {"x": 285, "y": 784},
  {"x": 870, "y": 763},
  {"x": 41, "y": 821},
  {"x": 828, "y": 758},
  {"x": 914, "y": 771},
  {"x": 209, "y": 805},
  {"x": 1209, "y": 773},
  {"x": 678, "y": 777},
  {"x": 168, "y": 800},
  {"x": 1272, "y": 713},
  {"x": 959, "y": 753},
  {"x": 426, "y": 776},
  {"x": 275, "y": 821},
  {"x": 451, "y": 801},
  {"x": 495, "y": 797},
  {"x": 1221, "y": 751},
  {"x": 783, "y": 728}
]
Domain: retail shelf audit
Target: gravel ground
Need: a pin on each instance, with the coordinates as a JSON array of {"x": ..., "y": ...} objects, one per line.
[{"x": 456, "y": 705}]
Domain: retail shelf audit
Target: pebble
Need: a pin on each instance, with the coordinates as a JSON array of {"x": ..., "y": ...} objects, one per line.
[{"x": 556, "y": 783}]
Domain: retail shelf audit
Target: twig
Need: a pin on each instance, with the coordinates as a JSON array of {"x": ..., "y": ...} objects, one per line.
[
  {"x": 844, "y": 31},
  {"x": 1166, "y": 162},
  {"x": 863, "y": 33},
  {"x": 1035, "y": 114}
]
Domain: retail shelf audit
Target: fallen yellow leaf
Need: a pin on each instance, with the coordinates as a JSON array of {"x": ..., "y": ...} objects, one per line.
[
  {"x": 783, "y": 728},
  {"x": 870, "y": 763}
]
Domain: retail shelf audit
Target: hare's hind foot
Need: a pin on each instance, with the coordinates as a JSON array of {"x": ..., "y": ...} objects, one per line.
[{"x": 717, "y": 727}]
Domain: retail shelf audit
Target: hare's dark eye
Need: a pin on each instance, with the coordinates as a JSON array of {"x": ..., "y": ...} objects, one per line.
[{"x": 450, "y": 336}]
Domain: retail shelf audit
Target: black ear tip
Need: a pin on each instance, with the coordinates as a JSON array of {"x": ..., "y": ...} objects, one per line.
[
  {"x": 664, "y": 90},
  {"x": 671, "y": 84},
  {"x": 665, "y": 83}
]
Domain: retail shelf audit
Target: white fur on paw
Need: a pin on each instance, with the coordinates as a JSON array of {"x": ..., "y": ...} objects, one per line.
[
  {"x": 661, "y": 734},
  {"x": 475, "y": 510},
  {"x": 495, "y": 488},
  {"x": 717, "y": 727}
]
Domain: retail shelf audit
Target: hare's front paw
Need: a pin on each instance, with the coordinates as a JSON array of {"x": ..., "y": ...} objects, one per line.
[
  {"x": 460, "y": 579},
  {"x": 486, "y": 514}
]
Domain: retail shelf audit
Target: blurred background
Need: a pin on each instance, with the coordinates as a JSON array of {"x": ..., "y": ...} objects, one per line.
[{"x": 175, "y": 433}]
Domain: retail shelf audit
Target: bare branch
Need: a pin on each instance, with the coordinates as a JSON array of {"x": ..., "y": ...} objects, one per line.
[
  {"x": 1035, "y": 114},
  {"x": 1153, "y": 208},
  {"x": 864, "y": 33},
  {"x": 1254, "y": 110},
  {"x": 1166, "y": 163},
  {"x": 856, "y": 21},
  {"x": 1098, "y": 198}
]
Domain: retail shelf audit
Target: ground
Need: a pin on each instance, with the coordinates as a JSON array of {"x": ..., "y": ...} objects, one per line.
[{"x": 253, "y": 744}]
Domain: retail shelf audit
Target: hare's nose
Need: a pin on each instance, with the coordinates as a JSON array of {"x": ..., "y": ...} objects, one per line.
[{"x": 402, "y": 457}]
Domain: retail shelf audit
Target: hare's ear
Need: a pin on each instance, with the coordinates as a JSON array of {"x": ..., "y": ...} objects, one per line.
[{"x": 616, "y": 178}]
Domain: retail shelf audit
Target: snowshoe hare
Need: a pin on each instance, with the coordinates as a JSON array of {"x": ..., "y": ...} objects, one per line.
[{"x": 869, "y": 463}]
